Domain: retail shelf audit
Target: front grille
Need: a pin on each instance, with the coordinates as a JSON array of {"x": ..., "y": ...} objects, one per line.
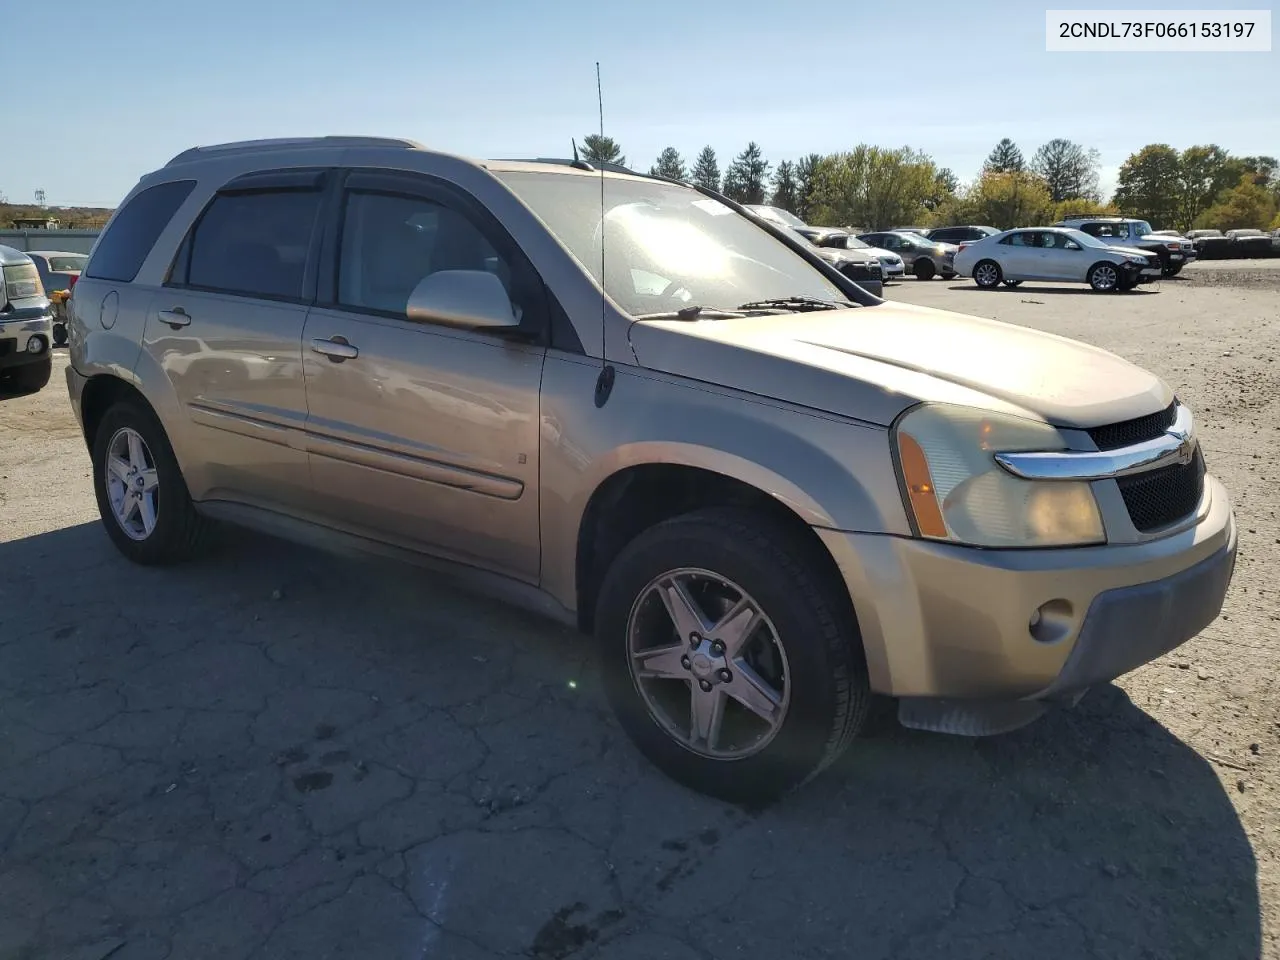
[
  {"x": 1128, "y": 432},
  {"x": 1161, "y": 497},
  {"x": 6, "y": 346}
]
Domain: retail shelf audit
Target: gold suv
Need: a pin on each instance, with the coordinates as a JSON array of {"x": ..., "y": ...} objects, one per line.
[{"x": 630, "y": 404}]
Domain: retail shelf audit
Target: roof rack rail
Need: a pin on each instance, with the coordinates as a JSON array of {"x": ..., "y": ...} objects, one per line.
[
  {"x": 593, "y": 165},
  {"x": 1103, "y": 216},
  {"x": 290, "y": 143}
]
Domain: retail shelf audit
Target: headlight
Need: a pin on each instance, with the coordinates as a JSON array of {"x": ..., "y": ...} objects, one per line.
[
  {"x": 955, "y": 490},
  {"x": 1141, "y": 260}
]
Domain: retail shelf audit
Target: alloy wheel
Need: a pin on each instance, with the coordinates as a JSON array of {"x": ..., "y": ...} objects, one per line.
[
  {"x": 133, "y": 486},
  {"x": 708, "y": 664}
]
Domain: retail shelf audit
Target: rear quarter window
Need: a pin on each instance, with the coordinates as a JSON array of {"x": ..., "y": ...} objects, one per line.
[{"x": 134, "y": 230}]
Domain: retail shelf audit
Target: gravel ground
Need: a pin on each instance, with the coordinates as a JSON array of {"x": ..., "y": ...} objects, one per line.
[{"x": 279, "y": 753}]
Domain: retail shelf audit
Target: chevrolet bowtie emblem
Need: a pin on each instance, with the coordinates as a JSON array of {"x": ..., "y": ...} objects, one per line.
[{"x": 1186, "y": 444}]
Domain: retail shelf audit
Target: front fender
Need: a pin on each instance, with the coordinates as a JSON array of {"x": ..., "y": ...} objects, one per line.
[{"x": 831, "y": 472}]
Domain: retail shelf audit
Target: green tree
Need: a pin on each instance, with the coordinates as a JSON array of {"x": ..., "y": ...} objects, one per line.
[
  {"x": 746, "y": 177},
  {"x": 706, "y": 170},
  {"x": 1005, "y": 158},
  {"x": 670, "y": 164},
  {"x": 1149, "y": 185},
  {"x": 1205, "y": 171},
  {"x": 785, "y": 193},
  {"x": 1015, "y": 199},
  {"x": 1069, "y": 170},
  {"x": 597, "y": 147},
  {"x": 945, "y": 186},
  {"x": 1245, "y": 205},
  {"x": 873, "y": 187},
  {"x": 805, "y": 169}
]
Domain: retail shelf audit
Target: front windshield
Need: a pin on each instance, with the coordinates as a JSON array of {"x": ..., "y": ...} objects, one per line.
[
  {"x": 1084, "y": 239},
  {"x": 666, "y": 246},
  {"x": 65, "y": 263},
  {"x": 779, "y": 215},
  {"x": 1141, "y": 228}
]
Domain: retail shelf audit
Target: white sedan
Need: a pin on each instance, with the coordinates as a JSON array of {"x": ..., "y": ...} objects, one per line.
[{"x": 1054, "y": 253}]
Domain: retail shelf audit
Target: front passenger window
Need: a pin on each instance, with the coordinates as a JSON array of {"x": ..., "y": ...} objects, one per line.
[{"x": 390, "y": 243}]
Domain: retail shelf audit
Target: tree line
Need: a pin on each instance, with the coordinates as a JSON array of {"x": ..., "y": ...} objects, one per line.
[{"x": 879, "y": 187}]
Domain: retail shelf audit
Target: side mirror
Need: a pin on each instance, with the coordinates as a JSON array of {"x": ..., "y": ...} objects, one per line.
[{"x": 471, "y": 299}]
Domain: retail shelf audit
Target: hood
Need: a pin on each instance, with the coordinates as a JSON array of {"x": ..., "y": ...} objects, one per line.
[
  {"x": 1129, "y": 251},
  {"x": 871, "y": 363},
  {"x": 880, "y": 253}
]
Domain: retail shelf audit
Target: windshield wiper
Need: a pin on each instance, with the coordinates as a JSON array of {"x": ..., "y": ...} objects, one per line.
[
  {"x": 798, "y": 304},
  {"x": 694, "y": 312}
]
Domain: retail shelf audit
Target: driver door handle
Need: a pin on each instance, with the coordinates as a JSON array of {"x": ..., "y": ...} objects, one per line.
[
  {"x": 336, "y": 349},
  {"x": 175, "y": 318}
]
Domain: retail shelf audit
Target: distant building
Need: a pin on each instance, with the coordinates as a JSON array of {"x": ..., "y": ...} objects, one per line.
[{"x": 35, "y": 223}]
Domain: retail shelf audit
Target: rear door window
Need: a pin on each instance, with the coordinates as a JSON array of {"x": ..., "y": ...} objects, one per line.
[
  {"x": 134, "y": 230},
  {"x": 253, "y": 244}
]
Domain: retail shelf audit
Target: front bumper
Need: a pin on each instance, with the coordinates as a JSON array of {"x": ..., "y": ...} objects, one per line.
[
  {"x": 893, "y": 269},
  {"x": 943, "y": 621},
  {"x": 16, "y": 337}
]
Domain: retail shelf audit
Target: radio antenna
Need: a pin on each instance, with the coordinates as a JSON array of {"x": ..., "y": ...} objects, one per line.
[{"x": 604, "y": 383}]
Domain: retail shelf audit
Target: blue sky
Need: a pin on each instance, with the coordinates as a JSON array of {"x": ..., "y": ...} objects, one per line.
[{"x": 128, "y": 83}]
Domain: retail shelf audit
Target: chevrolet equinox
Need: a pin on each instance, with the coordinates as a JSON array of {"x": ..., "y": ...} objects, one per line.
[{"x": 628, "y": 403}]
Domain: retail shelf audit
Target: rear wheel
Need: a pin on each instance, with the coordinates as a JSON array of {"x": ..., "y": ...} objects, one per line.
[
  {"x": 59, "y": 334},
  {"x": 729, "y": 657},
  {"x": 987, "y": 274},
  {"x": 141, "y": 494},
  {"x": 923, "y": 269},
  {"x": 1104, "y": 277}
]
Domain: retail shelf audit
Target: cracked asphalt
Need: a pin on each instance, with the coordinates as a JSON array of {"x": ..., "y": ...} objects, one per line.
[{"x": 278, "y": 753}]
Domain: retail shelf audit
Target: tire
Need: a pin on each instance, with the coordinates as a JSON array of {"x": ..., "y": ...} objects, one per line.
[
  {"x": 178, "y": 532},
  {"x": 923, "y": 269},
  {"x": 1173, "y": 269},
  {"x": 1012, "y": 283},
  {"x": 1104, "y": 277},
  {"x": 987, "y": 274},
  {"x": 31, "y": 377},
  {"x": 826, "y": 695},
  {"x": 59, "y": 334}
]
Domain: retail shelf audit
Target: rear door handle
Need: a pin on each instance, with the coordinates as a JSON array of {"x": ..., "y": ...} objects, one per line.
[
  {"x": 175, "y": 318},
  {"x": 336, "y": 349}
]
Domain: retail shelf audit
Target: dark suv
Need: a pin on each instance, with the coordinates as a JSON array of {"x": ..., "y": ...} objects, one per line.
[
  {"x": 1174, "y": 252},
  {"x": 965, "y": 234}
]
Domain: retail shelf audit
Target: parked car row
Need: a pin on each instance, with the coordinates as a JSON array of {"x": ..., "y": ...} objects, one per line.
[
  {"x": 852, "y": 249},
  {"x": 1235, "y": 244}
]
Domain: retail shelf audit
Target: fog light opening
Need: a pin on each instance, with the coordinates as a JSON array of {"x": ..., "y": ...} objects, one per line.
[
  {"x": 35, "y": 345},
  {"x": 1051, "y": 622}
]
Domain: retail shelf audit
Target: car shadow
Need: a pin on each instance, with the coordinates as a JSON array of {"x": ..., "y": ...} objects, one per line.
[
  {"x": 1056, "y": 290},
  {"x": 308, "y": 725}
]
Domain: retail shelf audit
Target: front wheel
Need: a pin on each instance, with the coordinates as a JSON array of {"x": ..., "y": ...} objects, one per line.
[
  {"x": 141, "y": 494},
  {"x": 1104, "y": 277},
  {"x": 730, "y": 658},
  {"x": 1173, "y": 269},
  {"x": 987, "y": 274},
  {"x": 923, "y": 269},
  {"x": 59, "y": 334},
  {"x": 1012, "y": 283}
]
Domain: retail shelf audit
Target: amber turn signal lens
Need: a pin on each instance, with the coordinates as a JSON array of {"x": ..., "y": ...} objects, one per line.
[{"x": 920, "y": 491}]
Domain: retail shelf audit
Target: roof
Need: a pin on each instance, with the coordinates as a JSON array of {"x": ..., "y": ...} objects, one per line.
[{"x": 56, "y": 253}]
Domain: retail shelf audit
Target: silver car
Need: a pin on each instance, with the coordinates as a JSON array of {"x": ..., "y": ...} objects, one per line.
[
  {"x": 1055, "y": 253},
  {"x": 924, "y": 258}
]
